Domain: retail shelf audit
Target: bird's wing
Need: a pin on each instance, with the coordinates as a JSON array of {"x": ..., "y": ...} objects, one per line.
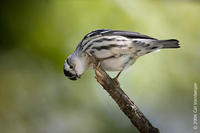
[
  {"x": 128, "y": 34},
  {"x": 86, "y": 41}
]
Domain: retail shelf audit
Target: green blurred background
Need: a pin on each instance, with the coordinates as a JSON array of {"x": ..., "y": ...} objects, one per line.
[{"x": 36, "y": 36}]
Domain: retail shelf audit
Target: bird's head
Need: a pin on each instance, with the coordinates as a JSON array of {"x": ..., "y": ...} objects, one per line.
[{"x": 74, "y": 67}]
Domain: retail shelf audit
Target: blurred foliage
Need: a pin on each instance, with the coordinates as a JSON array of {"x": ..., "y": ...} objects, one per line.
[{"x": 36, "y": 36}]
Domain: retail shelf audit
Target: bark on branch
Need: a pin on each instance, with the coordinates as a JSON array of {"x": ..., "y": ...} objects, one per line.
[{"x": 124, "y": 102}]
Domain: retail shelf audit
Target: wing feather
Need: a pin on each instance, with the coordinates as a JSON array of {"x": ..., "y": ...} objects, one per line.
[{"x": 128, "y": 34}]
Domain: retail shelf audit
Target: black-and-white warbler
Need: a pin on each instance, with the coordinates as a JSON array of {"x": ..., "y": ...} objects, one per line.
[{"x": 117, "y": 50}]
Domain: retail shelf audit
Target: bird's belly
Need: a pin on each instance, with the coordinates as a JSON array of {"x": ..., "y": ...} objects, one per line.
[
  {"x": 117, "y": 64},
  {"x": 115, "y": 58}
]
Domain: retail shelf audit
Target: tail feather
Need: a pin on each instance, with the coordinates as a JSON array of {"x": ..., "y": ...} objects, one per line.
[{"x": 170, "y": 43}]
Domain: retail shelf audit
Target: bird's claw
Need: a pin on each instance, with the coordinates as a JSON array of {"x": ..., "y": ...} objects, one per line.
[
  {"x": 93, "y": 60},
  {"x": 99, "y": 63},
  {"x": 117, "y": 82},
  {"x": 116, "y": 79}
]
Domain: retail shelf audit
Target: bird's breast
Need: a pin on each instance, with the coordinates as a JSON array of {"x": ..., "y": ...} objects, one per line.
[{"x": 117, "y": 63}]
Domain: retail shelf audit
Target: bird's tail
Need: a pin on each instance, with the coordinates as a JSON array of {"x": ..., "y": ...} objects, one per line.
[
  {"x": 170, "y": 43},
  {"x": 155, "y": 45}
]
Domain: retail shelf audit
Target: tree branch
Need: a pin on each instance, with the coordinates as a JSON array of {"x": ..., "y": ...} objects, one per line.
[{"x": 124, "y": 102}]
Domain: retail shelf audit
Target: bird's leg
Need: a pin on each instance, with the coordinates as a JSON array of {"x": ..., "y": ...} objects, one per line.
[
  {"x": 92, "y": 59},
  {"x": 117, "y": 76},
  {"x": 116, "y": 79},
  {"x": 99, "y": 63}
]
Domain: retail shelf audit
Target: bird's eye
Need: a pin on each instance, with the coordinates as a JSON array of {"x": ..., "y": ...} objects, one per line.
[{"x": 71, "y": 67}]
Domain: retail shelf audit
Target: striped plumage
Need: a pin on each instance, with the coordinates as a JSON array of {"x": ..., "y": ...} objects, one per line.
[{"x": 117, "y": 49}]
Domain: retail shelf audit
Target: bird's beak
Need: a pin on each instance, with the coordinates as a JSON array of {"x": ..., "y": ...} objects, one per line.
[{"x": 78, "y": 76}]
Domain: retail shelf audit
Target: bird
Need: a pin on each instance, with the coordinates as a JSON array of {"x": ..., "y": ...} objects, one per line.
[{"x": 116, "y": 49}]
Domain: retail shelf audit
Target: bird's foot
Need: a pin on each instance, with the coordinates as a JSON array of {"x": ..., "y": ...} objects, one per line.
[
  {"x": 116, "y": 79},
  {"x": 99, "y": 63},
  {"x": 96, "y": 62},
  {"x": 90, "y": 58}
]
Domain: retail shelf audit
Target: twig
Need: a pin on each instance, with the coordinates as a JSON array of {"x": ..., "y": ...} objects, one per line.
[{"x": 124, "y": 102}]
